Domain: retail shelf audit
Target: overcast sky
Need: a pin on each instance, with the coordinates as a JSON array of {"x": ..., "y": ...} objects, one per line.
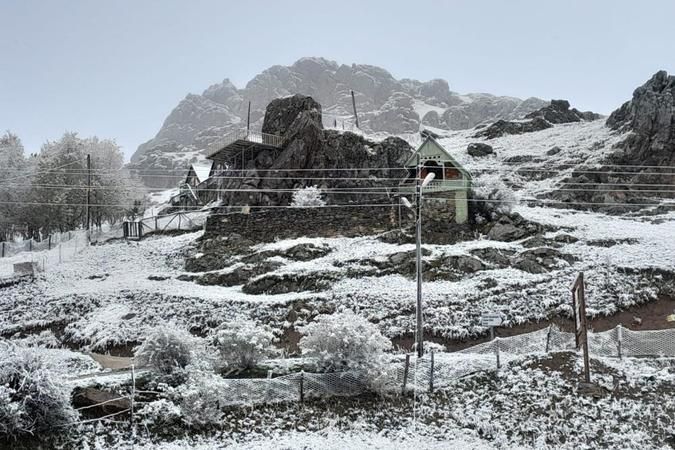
[{"x": 116, "y": 68}]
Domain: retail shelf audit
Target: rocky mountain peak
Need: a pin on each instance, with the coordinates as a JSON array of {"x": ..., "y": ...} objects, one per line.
[{"x": 384, "y": 104}]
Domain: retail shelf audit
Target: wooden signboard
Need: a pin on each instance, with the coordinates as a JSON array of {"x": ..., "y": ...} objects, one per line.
[{"x": 580, "y": 327}]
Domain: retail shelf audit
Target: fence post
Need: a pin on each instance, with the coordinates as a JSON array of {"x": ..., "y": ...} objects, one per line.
[
  {"x": 49, "y": 243},
  {"x": 405, "y": 372},
  {"x": 302, "y": 387},
  {"x": 497, "y": 351},
  {"x": 30, "y": 245},
  {"x": 131, "y": 403},
  {"x": 431, "y": 375},
  {"x": 3, "y": 249},
  {"x": 179, "y": 215},
  {"x": 548, "y": 338},
  {"x": 619, "y": 338},
  {"x": 156, "y": 227},
  {"x": 60, "y": 254}
]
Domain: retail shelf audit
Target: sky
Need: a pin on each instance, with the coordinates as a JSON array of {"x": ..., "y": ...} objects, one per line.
[{"x": 116, "y": 69}]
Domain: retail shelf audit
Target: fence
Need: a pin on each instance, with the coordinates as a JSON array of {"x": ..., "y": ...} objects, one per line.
[
  {"x": 407, "y": 373},
  {"x": 181, "y": 221}
]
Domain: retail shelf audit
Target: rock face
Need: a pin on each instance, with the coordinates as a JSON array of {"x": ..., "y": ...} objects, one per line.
[
  {"x": 383, "y": 102},
  {"x": 649, "y": 120},
  {"x": 320, "y": 157},
  {"x": 558, "y": 111}
]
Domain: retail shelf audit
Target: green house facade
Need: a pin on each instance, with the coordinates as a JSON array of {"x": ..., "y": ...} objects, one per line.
[{"x": 451, "y": 183}]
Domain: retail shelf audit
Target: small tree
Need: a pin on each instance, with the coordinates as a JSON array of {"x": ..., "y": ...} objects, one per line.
[
  {"x": 308, "y": 197},
  {"x": 166, "y": 349},
  {"x": 32, "y": 402},
  {"x": 343, "y": 340},
  {"x": 493, "y": 198},
  {"x": 242, "y": 343}
]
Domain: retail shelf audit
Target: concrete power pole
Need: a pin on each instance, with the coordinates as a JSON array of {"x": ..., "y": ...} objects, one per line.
[
  {"x": 418, "y": 216},
  {"x": 88, "y": 196}
]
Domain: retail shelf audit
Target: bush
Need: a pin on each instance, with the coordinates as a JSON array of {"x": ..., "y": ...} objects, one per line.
[
  {"x": 166, "y": 349},
  {"x": 494, "y": 197},
  {"x": 343, "y": 341},
  {"x": 200, "y": 399},
  {"x": 160, "y": 413},
  {"x": 307, "y": 197},
  {"x": 31, "y": 401},
  {"x": 242, "y": 344}
]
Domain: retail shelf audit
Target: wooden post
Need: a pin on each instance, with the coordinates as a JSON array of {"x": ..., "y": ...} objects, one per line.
[
  {"x": 49, "y": 243},
  {"x": 405, "y": 373},
  {"x": 156, "y": 227},
  {"x": 356, "y": 116},
  {"x": 302, "y": 387},
  {"x": 619, "y": 337},
  {"x": 179, "y": 217},
  {"x": 131, "y": 402},
  {"x": 3, "y": 249},
  {"x": 30, "y": 245},
  {"x": 496, "y": 344},
  {"x": 548, "y": 338},
  {"x": 60, "y": 259},
  {"x": 248, "y": 118},
  {"x": 431, "y": 374}
]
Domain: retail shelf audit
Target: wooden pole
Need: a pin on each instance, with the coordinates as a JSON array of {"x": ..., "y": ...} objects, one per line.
[
  {"x": 302, "y": 387},
  {"x": 619, "y": 337},
  {"x": 356, "y": 116},
  {"x": 3, "y": 249},
  {"x": 248, "y": 118},
  {"x": 431, "y": 374},
  {"x": 548, "y": 338},
  {"x": 405, "y": 372}
]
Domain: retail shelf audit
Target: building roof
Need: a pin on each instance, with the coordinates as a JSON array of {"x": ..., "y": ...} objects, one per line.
[
  {"x": 201, "y": 170},
  {"x": 432, "y": 150}
]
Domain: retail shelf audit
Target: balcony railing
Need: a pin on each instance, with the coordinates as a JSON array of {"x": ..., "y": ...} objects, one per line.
[{"x": 257, "y": 137}]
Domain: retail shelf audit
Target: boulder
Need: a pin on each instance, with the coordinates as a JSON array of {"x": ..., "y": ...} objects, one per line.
[
  {"x": 512, "y": 228},
  {"x": 540, "y": 260},
  {"x": 463, "y": 263},
  {"x": 496, "y": 257},
  {"x": 478, "y": 149},
  {"x": 281, "y": 113},
  {"x": 553, "y": 151},
  {"x": 558, "y": 111}
]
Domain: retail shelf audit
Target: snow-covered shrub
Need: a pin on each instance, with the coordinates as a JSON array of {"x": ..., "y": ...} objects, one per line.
[
  {"x": 493, "y": 198},
  {"x": 32, "y": 402},
  {"x": 166, "y": 349},
  {"x": 307, "y": 197},
  {"x": 200, "y": 399},
  {"x": 160, "y": 413},
  {"x": 343, "y": 341},
  {"x": 241, "y": 344}
]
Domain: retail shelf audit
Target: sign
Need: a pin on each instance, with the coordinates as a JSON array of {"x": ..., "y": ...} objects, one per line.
[
  {"x": 671, "y": 318},
  {"x": 580, "y": 331},
  {"x": 491, "y": 320}
]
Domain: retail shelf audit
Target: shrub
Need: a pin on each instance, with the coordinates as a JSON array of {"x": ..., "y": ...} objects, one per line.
[
  {"x": 160, "y": 413},
  {"x": 166, "y": 349},
  {"x": 31, "y": 401},
  {"x": 494, "y": 197},
  {"x": 200, "y": 399},
  {"x": 343, "y": 341},
  {"x": 307, "y": 197},
  {"x": 241, "y": 344}
]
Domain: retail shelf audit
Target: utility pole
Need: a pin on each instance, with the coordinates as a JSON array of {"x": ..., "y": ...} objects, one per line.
[
  {"x": 248, "y": 118},
  {"x": 88, "y": 196},
  {"x": 356, "y": 116},
  {"x": 418, "y": 216}
]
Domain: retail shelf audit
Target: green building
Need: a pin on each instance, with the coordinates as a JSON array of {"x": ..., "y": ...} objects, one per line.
[{"x": 451, "y": 183}]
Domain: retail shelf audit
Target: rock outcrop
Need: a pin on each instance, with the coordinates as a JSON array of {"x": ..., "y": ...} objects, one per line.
[
  {"x": 557, "y": 112},
  {"x": 649, "y": 121},
  {"x": 478, "y": 149},
  {"x": 383, "y": 102},
  {"x": 320, "y": 157}
]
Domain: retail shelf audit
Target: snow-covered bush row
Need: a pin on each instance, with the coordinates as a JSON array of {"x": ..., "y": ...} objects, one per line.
[
  {"x": 308, "y": 197},
  {"x": 242, "y": 344},
  {"x": 32, "y": 401}
]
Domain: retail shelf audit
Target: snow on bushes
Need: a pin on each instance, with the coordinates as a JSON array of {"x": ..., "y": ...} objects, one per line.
[
  {"x": 241, "y": 344},
  {"x": 31, "y": 400},
  {"x": 200, "y": 399},
  {"x": 492, "y": 198},
  {"x": 167, "y": 349},
  {"x": 307, "y": 197},
  {"x": 343, "y": 341}
]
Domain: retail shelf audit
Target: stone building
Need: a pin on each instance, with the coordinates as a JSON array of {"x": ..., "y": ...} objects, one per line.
[{"x": 447, "y": 194}]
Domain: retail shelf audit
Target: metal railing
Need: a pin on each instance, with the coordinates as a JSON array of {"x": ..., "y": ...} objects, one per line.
[{"x": 245, "y": 135}]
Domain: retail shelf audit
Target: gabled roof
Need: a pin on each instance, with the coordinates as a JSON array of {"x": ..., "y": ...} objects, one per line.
[
  {"x": 201, "y": 170},
  {"x": 431, "y": 147}
]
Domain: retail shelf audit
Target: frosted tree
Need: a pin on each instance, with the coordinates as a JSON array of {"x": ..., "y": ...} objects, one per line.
[
  {"x": 242, "y": 343},
  {"x": 14, "y": 185},
  {"x": 493, "y": 198},
  {"x": 308, "y": 197}
]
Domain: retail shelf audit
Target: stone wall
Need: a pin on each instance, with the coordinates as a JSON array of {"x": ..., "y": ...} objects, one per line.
[{"x": 266, "y": 225}]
